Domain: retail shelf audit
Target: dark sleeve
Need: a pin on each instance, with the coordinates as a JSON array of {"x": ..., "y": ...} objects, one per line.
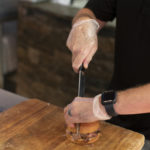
[{"x": 104, "y": 10}]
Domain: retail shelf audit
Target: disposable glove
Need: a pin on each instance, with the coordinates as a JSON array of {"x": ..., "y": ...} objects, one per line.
[
  {"x": 85, "y": 110},
  {"x": 83, "y": 42}
]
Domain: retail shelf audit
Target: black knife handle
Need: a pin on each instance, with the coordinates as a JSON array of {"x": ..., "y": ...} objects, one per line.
[
  {"x": 81, "y": 86},
  {"x": 82, "y": 68}
]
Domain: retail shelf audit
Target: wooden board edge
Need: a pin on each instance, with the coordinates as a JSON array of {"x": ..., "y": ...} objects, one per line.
[{"x": 42, "y": 101}]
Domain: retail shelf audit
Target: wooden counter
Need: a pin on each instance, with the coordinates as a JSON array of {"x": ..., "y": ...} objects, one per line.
[{"x": 36, "y": 125}]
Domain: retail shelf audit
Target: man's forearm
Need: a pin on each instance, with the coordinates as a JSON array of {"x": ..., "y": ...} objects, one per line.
[
  {"x": 133, "y": 101},
  {"x": 84, "y": 14}
]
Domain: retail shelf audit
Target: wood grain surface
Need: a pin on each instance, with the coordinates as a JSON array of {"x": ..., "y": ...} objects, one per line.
[{"x": 36, "y": 125}]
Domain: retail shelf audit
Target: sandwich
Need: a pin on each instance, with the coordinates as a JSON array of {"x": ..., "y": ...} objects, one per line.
[{"x": 88, "y": 133}]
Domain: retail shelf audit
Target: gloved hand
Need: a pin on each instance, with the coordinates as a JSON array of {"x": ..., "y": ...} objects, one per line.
[
  {"x": 85, "y": 110},
  {"x": 83, "y": 42}
]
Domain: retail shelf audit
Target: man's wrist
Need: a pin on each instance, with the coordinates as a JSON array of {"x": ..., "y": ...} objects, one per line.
[
  {"x": 82, "y": 17},
  {"x": 99, "y": 110},
  {"x": 101, "y": 106},
  {"x": 118, "y": 106}
]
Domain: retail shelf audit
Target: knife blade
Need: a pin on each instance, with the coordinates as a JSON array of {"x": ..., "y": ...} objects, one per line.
[{"x": 81, "y": 91}]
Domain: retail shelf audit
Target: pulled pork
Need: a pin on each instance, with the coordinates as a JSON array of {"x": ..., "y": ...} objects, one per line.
[{"x": 84, "y": 137}]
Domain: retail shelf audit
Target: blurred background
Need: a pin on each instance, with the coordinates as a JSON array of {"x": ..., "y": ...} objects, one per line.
[{"x": 35, "y": 61}]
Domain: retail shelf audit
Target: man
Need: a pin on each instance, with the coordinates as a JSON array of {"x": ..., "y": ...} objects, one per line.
[{"x": 132, "y": 56}]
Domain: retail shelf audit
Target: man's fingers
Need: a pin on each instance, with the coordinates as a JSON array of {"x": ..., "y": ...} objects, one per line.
[
  {"x": 66, "y": 109},
  {"x": 70, "y": 120},
  {"x": 74, "y": 55},
  {"x": 79, "y": 59},
  {"x": 85, "y": 55},
  {"x": 69, "y": 41},
  {"x": 89, "y": 57}
]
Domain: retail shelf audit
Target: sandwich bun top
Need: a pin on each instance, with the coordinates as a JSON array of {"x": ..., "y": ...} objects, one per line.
[{"x": 86, "y": 127}]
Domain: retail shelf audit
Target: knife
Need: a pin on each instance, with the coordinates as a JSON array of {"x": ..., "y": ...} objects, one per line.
[{"x": 81, "y": 91}]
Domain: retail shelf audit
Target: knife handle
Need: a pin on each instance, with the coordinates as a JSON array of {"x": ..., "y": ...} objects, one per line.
[
  {"x": 82, "y": 68},
  {"x": 81, "y": 85}
]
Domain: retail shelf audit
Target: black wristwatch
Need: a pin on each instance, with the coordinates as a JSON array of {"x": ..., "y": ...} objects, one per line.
[{"x": 108, "y": 99}]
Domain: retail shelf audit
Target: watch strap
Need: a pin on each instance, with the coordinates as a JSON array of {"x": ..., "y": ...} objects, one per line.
[
  {"x": 108, "y": 101},
  {"x": 110, "y": 110}
]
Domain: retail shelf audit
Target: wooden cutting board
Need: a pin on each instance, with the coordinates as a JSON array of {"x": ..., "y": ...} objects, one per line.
[{"x": 36, "y": 125}]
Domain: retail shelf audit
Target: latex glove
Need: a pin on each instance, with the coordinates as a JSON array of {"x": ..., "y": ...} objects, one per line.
[
  {"x": 83, "y": 42},
  {"x": 83, "y": 110}
]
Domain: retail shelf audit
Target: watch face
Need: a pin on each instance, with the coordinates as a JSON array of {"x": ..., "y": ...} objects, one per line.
[{"x": 109, "y": 97}]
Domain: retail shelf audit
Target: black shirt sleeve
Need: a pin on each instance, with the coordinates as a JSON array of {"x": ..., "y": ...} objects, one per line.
[{"x": 103, "y": 9}]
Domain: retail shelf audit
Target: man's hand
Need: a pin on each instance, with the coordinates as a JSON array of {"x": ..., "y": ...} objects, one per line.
[
  {"x": 81, "y": 110},
  {"x": 83, "y": 42}
]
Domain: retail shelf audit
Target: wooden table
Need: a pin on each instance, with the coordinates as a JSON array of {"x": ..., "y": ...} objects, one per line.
[{"x": 36, "y": 125}]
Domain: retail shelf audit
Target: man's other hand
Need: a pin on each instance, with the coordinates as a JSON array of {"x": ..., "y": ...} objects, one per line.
[{"x": 79, "y": 111}]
